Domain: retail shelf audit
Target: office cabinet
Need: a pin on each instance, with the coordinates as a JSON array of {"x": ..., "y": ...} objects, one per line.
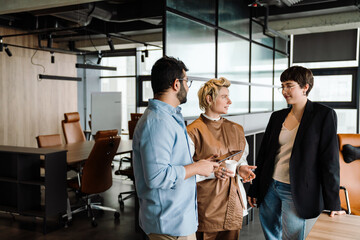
[
  {"x": 254, "y": 139},
  {"x": 33, "y": 181}
]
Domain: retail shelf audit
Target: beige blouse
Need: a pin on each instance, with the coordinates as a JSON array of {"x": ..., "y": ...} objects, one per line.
[{"x": 282, "y": 159}]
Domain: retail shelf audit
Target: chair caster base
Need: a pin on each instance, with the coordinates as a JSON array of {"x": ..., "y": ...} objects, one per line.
[
  {"x": 121, "y": 202},
  {"x": 94, "y": 224}
]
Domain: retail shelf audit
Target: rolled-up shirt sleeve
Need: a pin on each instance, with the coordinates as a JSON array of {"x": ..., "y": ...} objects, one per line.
[
  {"x": 156, "y": 149},
  {"x": 243, "y": 160}
]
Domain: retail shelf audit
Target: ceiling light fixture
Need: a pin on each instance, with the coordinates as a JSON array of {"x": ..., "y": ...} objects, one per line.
[
  {"x": 52, "y": 57},
  {"x": 110, "y": 43},
  {"x": 99, "y": 57},
  {"x": 49, "y": 41},
  {"x": 144, "y": 53},
  {"x": 96, "y": 67},
  {"x": 1, "y": 45},
  {"x": 54, "y": 77},
  {"x": 7, "y": 50}
]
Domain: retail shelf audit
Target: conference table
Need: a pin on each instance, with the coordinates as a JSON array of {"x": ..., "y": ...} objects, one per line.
[
  {"x": 79, "y": 152},
  {"x": 338, "y": 227}
]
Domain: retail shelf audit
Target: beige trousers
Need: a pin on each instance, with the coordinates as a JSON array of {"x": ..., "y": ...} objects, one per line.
[
  {"x": 222, "y": 235},
  {"x": 154, "y": 236}
]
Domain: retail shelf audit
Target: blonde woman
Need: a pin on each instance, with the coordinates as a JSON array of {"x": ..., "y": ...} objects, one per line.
[{"x": 221, "y": 202}]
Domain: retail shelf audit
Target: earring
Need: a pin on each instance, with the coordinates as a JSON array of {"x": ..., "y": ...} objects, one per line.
[{"x": 304, "y": 93}]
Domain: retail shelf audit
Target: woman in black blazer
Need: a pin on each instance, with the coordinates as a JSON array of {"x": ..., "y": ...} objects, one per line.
[{"x": 298, "y": 162}]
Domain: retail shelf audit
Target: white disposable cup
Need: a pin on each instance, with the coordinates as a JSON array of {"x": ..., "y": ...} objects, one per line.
[{"x": 231, "y": 165}]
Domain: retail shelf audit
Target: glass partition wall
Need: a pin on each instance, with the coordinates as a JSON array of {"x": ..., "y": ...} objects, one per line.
[
  {"x": 122, "y": 80},
  {"x": 335, "y": 66},
  {"x": 214, "y": 38},
  {"x": 132, "y": 79},
  {"x": 220, "y": 39}
]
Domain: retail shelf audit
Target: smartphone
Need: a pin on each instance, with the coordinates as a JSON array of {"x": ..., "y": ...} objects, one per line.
[{"x": 227, "y": 156}]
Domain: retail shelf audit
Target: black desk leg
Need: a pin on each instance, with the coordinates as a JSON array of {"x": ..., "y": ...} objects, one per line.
[{"x": 44, "y": 225}]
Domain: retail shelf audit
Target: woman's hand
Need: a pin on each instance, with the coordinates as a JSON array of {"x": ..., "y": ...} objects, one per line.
[
  {"x": 223, "y": 173},
  {"x": 252, "y": 201},
  {"x": 333, "y": 213},
  {"x": 246, "y": 172}
]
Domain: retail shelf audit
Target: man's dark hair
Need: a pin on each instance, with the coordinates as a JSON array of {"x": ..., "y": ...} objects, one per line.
[
  {"x": 164, "y": 72},
  {"x": 300, "y": 75}
]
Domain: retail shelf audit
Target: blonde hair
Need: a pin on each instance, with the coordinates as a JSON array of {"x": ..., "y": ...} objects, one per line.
[{"x": 211, "y": 88}]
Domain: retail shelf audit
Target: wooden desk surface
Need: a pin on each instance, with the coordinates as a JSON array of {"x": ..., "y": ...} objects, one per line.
[
  {"x": 78, "y": 152},
  {"x": 338, "y": 227}
]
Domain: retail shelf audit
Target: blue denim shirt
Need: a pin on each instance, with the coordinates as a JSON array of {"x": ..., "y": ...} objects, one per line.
[{"x": 161, "y": 150}]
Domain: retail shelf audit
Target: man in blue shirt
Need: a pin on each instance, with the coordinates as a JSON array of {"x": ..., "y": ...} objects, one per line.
[{"x": 163, "y": 166}]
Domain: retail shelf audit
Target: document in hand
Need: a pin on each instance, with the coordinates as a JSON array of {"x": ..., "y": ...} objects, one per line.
[{"x": 227, "y": 156}]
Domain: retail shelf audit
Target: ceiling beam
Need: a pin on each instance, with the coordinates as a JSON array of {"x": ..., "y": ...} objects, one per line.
[
  {"x": 16, "y": 6},
  {"x": 323, "y": 23}
]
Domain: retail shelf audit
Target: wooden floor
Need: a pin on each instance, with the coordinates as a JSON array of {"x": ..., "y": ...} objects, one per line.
[{"x": 20, "y": 227}]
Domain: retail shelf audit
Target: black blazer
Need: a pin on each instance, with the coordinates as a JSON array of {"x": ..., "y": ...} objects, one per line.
[{"x": 314, "y": 162}]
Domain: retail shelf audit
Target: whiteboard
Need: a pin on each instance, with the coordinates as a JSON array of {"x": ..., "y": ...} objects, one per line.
[{"x": 105, "y": 111}]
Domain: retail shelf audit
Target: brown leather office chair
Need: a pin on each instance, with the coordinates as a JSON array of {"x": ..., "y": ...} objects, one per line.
[
  {"x": 135, "y": 116},
  {"x": 44, "y": 141},
  {"x": 350, "y": 175},
  {"x": 72, "y": 129},
  {"x": 96, "y": 176},
  {"x": 131, "y": 127},
  {"x": 129, "y": 172},
  {"x": 132, "y": 123},
  {"x": 105, "y": 133},
  {"x": 89, "y": 122}
]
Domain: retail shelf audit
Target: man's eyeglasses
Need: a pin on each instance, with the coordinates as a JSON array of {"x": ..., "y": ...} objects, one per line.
[
  {"x": 286, "y": 88},
  {"x": 188, "y": 82}
]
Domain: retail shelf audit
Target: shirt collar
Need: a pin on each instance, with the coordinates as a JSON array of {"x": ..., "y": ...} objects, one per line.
[
  {"x": 154, "y": 103},
  {"x": 210, "y": 118}
]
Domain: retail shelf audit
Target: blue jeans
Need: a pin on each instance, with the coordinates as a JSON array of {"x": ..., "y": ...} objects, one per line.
[{"x": 278, "y": 216}]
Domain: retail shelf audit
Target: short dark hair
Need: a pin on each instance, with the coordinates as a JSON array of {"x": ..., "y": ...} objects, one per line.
[
  {"x": 300, "y": 75},
  {"x": 164, "y": 72}
]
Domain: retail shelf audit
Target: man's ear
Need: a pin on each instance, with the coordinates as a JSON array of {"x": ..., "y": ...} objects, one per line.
[{"x": 176, "y": 85}]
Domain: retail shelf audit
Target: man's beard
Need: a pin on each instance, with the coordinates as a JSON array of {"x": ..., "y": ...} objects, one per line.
[{"x": 182, "y": 94}]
